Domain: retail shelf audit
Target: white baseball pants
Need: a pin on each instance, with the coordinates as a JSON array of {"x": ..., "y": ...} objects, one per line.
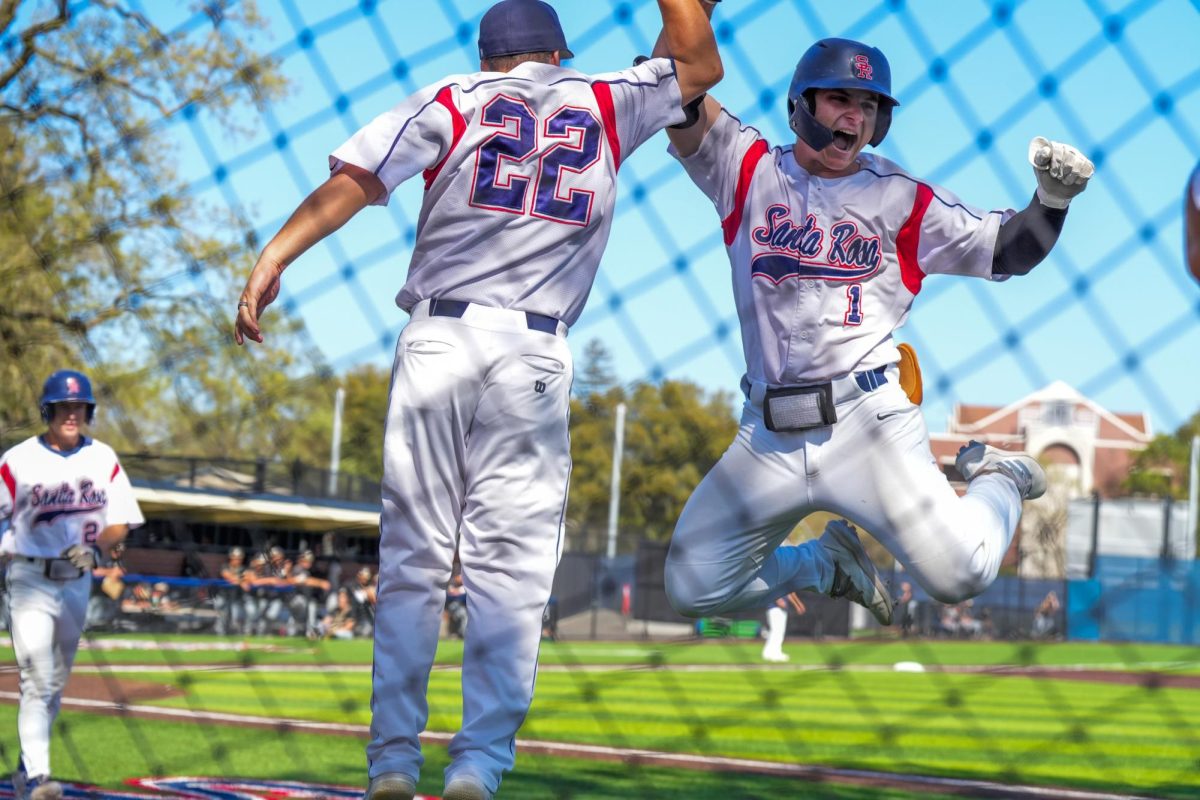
[
  {"x": 476, "y": 456},
  {"x": 776, "y": 628},
  {"x": 47, "y": 622},
  {"x": 873, "y": 467}
]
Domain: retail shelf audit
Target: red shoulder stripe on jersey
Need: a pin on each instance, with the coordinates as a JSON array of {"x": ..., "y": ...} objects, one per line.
[
  {"x": 116, "y": 471},
  {"x": 9, "y": 481},
  {"x": 909, "y": 238},
  {"x": 458, "y": 127},
  {"x": 608, "y": 115},
  {"x": 750, "y": 161}
]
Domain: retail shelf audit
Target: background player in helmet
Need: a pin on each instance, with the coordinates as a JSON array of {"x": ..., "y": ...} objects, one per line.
[
  {"x": 1191, "y": 214},
  {"x": 520, "y": 163},
  {"x": 68, "y": 502},
  {"x": 829, "y": 246}
]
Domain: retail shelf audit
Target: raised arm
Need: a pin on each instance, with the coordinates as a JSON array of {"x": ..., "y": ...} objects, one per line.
[
  {"x": 702, "y": 108},
  {"x": 687, "y": 36},
  {"x": 328, "y": 208},
  {"x": 1025, "y": 239}
]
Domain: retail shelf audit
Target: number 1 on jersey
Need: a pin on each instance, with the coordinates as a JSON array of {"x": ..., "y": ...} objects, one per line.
[
  {"x": 502, "y": 177},
  {"x": 854, "y": 293}
]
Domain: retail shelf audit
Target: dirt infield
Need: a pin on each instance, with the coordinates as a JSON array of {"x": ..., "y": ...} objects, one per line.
[{"x": 119, "y": 694}]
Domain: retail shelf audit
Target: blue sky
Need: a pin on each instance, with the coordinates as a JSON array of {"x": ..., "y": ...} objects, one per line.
[{"x": 1112, "y": 311}]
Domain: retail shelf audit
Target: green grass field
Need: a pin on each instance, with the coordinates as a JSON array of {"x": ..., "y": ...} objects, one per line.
[{"x": 837, "y": 704}]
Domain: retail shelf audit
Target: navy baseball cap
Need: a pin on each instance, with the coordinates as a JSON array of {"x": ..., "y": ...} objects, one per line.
[{"x": 521, "y": 26}]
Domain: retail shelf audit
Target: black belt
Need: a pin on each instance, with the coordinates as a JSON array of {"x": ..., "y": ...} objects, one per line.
[{"x": 456, "y": 308}]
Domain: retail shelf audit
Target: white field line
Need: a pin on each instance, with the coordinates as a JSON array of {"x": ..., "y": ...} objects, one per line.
[{"x": 626, "y": 755}]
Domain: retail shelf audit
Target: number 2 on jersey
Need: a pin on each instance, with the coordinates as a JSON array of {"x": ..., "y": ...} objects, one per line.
[{"x": 500, "y": 183}]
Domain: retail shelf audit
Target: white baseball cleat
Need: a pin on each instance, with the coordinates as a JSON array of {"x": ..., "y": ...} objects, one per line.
[
  {"x": 391, "y": 786},
  {"x": 42, "y": 788},
  {"x": 855, "y": 577},
  {"x": 465, "y": 789},
  {"x": 976, "y": 458}
]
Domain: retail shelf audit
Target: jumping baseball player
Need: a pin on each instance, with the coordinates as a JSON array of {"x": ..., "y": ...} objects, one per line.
[
  {"x": 829, "y": 246},
  {"x": 68, "y": 502},
  {"x": 520, "y": 163},
  {"x": 1191, "y": 213}
]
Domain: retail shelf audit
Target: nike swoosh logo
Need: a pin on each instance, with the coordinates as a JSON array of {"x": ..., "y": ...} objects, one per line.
[{"x": 887, "y": 414}]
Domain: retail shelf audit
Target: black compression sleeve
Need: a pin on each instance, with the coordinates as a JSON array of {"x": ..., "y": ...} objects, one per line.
[{"x": 1026, "y": 238}]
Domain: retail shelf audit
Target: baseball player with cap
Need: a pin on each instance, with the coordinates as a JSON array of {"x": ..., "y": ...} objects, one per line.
[
  {"x": 67, "y": 502},
  {"x": 519, "y": 162},
  {"x": 1191, "y": 213},
  {"x": 829, "y": 246}
]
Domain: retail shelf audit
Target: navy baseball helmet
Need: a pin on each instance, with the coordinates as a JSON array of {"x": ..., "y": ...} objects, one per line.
[
  {"x": 67, "y": 386},
  {"x": 839, "y": 64}
]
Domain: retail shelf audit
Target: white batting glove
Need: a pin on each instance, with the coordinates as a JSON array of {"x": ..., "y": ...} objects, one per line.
[
  {"x": 80, "y": 557},
  {"x": 1062, "y": 171}
]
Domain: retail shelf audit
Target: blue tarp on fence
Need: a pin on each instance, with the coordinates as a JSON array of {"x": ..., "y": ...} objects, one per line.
[{"x": 1136, "y": 600}]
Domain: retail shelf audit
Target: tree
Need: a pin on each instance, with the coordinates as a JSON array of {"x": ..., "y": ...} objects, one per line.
[
  {"x": 674, "y": 433},
  {"x": 109, "y": 265},
  {"x": 1162, "y": 468}
]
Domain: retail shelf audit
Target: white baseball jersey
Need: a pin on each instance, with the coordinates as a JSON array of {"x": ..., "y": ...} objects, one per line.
[
  {"x": 57, "y": 499},
  {"x": 520, "y": 177},
  {"x": 824, "y": 270}
]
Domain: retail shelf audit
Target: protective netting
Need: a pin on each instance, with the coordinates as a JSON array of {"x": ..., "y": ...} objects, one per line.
[{"x": 1112, "y": 312}]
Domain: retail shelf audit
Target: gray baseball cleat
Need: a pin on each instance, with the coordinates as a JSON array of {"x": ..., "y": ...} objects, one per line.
[
  {"x": 855, "y": 577},
  {"x": 391, "y": 786},
  {"x": 42, "y": 788},
  {"x": 465, "y": 789},
  {"x": 976, "y": 458}
]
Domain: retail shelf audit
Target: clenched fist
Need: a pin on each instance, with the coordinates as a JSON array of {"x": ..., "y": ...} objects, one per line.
[{"x": 1062, "y": 171}]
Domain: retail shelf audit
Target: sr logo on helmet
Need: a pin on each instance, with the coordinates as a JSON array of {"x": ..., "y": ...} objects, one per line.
[{"x": 67, "y": 386}]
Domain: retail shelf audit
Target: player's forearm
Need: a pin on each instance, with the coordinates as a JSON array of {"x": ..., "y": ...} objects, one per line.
[
  {"x": 328, "y": 208},
  {"x": 687, "y": 37},
  {"x": 1027, "y": 238},
  {"x": 111, "y": 536}
]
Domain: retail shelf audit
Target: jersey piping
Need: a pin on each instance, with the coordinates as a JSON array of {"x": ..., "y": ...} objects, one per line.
[
  {"x": 458, "y": 127},
  {"x": 909, "y": 238},
  {"x": 731, "y": 223},
  {"x": 608, "y": 117}
]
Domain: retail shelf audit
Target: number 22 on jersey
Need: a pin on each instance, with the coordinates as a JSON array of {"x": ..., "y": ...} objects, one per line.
[{"x": 505, "y": 169}]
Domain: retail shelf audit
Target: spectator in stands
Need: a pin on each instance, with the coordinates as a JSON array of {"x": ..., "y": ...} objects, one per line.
[
  {"x": 229, "y": 601},
  {"x": 309, "y": 595},
  {"x": 277, "y": 616},
  {"x": 1045, "y": 618},
  {"x": 138, "y": 600},
  {"x": 948, "y": 622},
  {"x": 259, "y": 587},
  {"x": 455, "y": 612},
  {"x": 906, "y": 609},
  {"x": 969, "y": 626},
  {"x": 160, "y": 599},
  {"x": 107, "y": 590},
  {"x": 363, "y": 593},
  {"x": 343, "y": 621}
]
